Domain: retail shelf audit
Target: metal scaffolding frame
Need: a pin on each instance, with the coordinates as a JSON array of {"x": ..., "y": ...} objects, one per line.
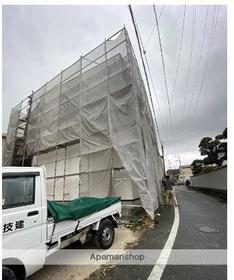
[{"x": 83, "y": 107}]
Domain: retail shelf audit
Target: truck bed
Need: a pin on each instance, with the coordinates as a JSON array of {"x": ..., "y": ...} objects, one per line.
[{"x": 55, "y": 231}]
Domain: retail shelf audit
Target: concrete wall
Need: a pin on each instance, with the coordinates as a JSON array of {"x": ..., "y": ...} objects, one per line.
[{"x": 216, "y": 179}]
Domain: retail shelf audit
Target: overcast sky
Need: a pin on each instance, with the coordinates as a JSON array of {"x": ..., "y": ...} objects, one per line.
[{"x": 40, "y": 41}]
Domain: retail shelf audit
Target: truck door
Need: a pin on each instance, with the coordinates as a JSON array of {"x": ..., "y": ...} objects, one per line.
[{"x": 22, "y": 213}]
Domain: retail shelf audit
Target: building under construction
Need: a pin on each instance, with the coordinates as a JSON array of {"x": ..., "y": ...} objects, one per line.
[{"x": 91, "y": 127}]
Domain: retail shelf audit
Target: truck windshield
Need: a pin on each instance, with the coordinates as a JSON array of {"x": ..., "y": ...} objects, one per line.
[{"x": 18, "y": 191}]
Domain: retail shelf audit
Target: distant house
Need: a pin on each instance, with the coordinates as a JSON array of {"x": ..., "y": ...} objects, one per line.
[{"x": 185, "y": 172}]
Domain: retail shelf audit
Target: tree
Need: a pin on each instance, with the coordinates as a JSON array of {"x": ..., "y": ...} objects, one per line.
[
  {"x": 209, "y": 147},
  {"x": 219, "y": 137},
  {"x": 214, "y": 150},
  {"x": 197, "y": 166},
  {"x": 222, "y": 136},
  {"x": 205, "y": 146},
  {"x": 225, "y": 133},
  {"x": 222, "y": 151},
  {"x": 222, "y": 147}
]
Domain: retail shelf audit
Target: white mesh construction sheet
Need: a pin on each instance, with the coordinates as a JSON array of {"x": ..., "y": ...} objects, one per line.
[
  {"x": 99, "y": 108},
  {"x": 11, "y": 136}
]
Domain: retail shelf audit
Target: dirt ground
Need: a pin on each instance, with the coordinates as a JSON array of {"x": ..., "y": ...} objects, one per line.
[{"x": 123, "y": 237}]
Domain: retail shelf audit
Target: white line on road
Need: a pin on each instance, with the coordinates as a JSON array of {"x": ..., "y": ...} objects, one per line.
[{"x": 162, "y": 260}]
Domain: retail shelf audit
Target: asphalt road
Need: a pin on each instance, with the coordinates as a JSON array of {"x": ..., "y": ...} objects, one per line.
[{"x": 196, "y": 210}]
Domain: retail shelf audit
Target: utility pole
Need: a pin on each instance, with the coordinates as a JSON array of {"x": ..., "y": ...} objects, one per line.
[
  {"x": 164, "y": 171},
  {"x": 179, "y": 161}
]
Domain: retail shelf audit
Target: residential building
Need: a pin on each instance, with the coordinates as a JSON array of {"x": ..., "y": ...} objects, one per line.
[{"x": 185, "y": 173}]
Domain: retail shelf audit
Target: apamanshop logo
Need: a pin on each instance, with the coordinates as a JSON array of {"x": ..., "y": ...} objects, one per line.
[{"x": 117, "y": 257}]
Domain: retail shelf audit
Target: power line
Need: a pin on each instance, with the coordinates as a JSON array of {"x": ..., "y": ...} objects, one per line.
[
  {"x": 216, "y": 22},
  {"x": 154, "y": 90},
  {"x": 148, "y": 67},
  {"x": 200, "y": 55},
  {"x": 210, "y": 45},
  {"x": 198, "y": 67},
  {"x": 206, "y": 61},
  {"x": 153, "y": 28},
  {"x": 178, "y": 63},
  {"x": 179, "y": 56},
  {"x": 209, "y": 50},
  {"x": 165, "y": 76},
  {"x": 189, "y": 68},
  {"x": 143, "y": 63}
]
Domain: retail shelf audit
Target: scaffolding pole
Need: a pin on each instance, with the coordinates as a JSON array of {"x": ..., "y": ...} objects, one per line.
[
  {"x": 109, "y": 120},
  {"x": 79, "y": 185},
  {"x": 56, "y": 151}
]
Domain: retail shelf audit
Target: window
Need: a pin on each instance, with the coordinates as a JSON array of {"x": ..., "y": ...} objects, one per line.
[{"x": 18, "y": 191}]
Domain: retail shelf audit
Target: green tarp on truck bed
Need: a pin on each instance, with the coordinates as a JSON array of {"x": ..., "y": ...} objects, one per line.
[{"x": 79, "y": 208}]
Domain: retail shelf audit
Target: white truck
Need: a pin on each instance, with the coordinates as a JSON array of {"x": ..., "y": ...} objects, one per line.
[{"x": 28, "y": 226}]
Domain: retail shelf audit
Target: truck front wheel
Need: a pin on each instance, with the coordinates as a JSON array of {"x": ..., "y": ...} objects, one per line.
[
  {"x": 8, "y": 274},
  {"x": 105, "y": 235}
]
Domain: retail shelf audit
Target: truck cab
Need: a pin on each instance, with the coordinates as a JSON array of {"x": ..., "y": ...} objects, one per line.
[{"x": 24, "y": 217}]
